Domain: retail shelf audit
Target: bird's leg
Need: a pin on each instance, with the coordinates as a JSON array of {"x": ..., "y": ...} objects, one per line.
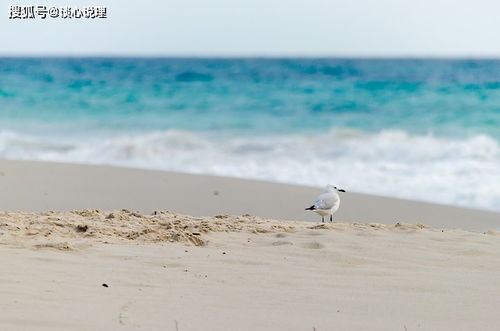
[
  {"x": 323, "y": 219},
  {"x": 331, "y": 218}
]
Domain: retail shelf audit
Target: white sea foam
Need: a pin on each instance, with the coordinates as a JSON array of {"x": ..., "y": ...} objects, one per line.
[{"x": 464, "y": 172}]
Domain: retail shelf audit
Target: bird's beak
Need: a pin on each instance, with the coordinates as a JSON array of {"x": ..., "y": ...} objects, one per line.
[{"x": 341, "y": 190}]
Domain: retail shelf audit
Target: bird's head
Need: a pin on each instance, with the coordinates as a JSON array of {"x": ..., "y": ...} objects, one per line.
[{"x": 330, "y": 187}]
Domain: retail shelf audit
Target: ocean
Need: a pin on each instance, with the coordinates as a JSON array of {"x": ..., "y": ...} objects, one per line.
[{"x": 423, "y": 129}]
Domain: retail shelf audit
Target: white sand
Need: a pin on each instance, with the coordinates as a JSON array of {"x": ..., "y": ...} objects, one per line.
[
  {"x": 175, "y": 272},
  {"x": 248, "y": 274}
]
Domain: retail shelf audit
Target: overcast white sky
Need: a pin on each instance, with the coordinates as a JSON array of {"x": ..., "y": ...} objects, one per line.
[{"x": 262, "y": 28}]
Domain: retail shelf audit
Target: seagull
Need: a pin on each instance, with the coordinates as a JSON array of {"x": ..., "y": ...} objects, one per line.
[{"x": 327, "y": 203}]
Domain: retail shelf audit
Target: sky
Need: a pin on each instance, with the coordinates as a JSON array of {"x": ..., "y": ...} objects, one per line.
[{"x": 364, "y": 28}]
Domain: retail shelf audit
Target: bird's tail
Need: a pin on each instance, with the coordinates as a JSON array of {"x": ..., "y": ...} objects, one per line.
[{"x": 311, "y": 208}]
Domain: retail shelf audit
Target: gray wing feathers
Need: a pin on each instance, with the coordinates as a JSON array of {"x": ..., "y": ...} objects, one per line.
[{"x": 326, "y": 201}]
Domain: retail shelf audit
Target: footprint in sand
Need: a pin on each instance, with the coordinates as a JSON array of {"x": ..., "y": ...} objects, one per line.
[
  {"x": 282, "y": 243},
  {"x": 313, "y": 245}
]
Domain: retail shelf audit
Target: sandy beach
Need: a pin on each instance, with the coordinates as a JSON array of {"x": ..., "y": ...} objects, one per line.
[
  {"x": 163, "y": 167},
  {"x": 103, "y": 248},
  {"x": 43, "y": 186}
]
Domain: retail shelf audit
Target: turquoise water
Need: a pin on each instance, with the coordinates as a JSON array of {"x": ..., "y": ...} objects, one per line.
[{"x": 413, "y": 128}]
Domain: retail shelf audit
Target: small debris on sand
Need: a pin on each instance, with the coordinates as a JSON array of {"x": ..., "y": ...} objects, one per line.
[{"x": 81, "y": 228}]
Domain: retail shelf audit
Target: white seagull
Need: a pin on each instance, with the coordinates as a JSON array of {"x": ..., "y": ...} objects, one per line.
[{"x": 327, "y": 203}]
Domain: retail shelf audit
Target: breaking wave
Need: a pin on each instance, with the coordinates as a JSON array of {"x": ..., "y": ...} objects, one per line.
[{"x": 463, "y": 172}]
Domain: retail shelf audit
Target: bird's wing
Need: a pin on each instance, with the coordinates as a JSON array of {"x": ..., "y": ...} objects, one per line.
[{"x": 326, "y": 201}]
